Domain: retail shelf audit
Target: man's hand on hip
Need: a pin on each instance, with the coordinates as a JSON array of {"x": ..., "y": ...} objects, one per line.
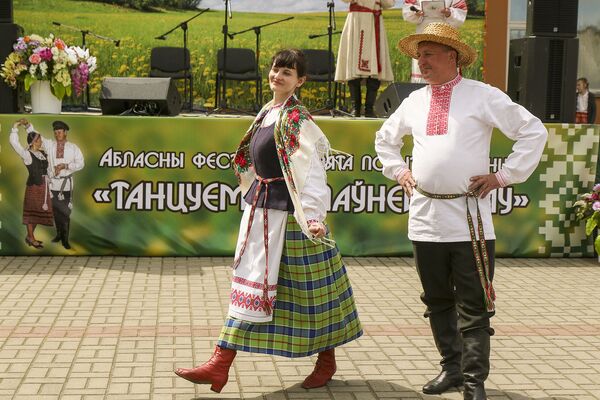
[
  {"x": 483, "y": 184},
  {"x": 407, "y": 182}
]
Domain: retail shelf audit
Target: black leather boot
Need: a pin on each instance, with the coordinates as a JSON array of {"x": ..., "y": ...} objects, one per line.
[
  {"x": 354, "y": 86},
  {"x": 444, "y": 327},
  {"x": 58, "y": 236},
  {"x": 372, "y": 88},
  {"x": 476, "y": 363},
  {"x": 65, "y": 236}
]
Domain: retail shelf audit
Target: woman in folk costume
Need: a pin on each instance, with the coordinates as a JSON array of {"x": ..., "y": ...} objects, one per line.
[
  {"x": 290, "y": 295},
  {"x": 37, "y": 205},
  {"x": 454, "y": 13},
  {"x": 363, "y": 52}
]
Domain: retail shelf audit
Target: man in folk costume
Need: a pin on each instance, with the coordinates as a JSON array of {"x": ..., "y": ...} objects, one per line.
[
  {"x": 454, "y": 13},
  {"x": 450, "y": 221},
  {"x": 585, "y": 111},
  {"x": 65, "y": 159},
  {"x": 364, "y": 53}
]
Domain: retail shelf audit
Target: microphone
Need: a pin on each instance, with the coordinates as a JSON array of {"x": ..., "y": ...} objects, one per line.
[
  {"x": 117, "y": 43},
  {"x": 312, "y": 36},
  {"x": 160, "y": 38},
  {"x": 415, "y": 9},
  {"x": 56, "y": 23}
]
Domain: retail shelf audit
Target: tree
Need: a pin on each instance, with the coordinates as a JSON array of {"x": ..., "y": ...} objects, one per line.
[
  {"x": 151, "y": 5},
  {"x": 183, "y": 4},
  {"x": 476, "y": 7}
]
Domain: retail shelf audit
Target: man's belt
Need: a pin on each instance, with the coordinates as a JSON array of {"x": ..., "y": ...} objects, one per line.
[
  {"x": 377, "y": 21},
  {"x": 479, "y": 247}
]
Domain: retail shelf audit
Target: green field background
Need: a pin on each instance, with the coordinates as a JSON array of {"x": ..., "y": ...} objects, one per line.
[
  {"x": 99, "y": 229},
  {"x": 137, "y": 31}
]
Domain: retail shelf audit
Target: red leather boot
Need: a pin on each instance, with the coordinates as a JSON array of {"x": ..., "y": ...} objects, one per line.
[
  {"x": 215, "y": 371},
  {"x": 324, "y": 370}
]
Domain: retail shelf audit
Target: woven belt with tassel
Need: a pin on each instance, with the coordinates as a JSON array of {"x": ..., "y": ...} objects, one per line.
[
  {"x": 479, "y": 247},
  {"x": 261, "y": 181}
]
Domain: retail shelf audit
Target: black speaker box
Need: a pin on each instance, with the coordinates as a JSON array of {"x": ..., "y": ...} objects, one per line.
[
  {"x": 6, "y": 12},
  {"x": 11, "y": 100},
  {"x": 139, "y": 96},
  {"x": 389, "y": 100},
  {"x": 542, "y": 75},
  {"x": 552, "y": 18}
]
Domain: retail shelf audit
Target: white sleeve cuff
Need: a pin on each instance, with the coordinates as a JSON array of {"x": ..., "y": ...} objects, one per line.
[
  {"x": 502, "y": 178},
  {"x": 400, "y": 172}
]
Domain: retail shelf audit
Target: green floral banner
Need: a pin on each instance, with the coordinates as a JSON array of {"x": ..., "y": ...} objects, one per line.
[{"x": 155, "y": 186}]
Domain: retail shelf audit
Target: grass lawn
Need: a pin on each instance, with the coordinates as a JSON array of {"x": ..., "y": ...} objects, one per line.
[{"x": 137, "y": 31}]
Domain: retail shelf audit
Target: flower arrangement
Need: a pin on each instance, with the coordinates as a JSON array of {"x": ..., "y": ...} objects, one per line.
[
  {"x": 587, "y": 208},
  {"x": 36, "y": 58}
]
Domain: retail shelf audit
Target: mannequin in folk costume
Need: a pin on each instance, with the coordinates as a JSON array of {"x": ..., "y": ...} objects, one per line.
[
  {"x": 364, "y": 52},
  {"x": 290, "y": 295},
  {"x": 454, "y": 14}
]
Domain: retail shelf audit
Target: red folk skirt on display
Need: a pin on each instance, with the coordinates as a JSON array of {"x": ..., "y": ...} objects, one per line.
[{"x": 37, "y": 206}]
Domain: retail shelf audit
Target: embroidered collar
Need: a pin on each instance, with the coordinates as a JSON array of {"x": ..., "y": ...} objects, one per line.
[
  {"x": 40, "y": 155},
  {"x": 447, "y": 85},
  {"x": 439, "y": 107}
]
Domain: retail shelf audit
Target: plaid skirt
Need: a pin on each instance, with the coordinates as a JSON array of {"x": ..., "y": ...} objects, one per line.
[
  {"x": 314, "y": 310},
  {"x": 33, "y": 206}
]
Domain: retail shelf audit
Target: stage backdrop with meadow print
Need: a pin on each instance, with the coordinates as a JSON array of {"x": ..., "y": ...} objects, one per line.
[
  {"x": 137, "y": 30},
  {"x": 160, "y": 186}
]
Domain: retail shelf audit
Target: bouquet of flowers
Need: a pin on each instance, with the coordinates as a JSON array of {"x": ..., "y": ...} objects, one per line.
[
  {"x": 587, "y": 208},
  {"x": 49, "y": 59}
]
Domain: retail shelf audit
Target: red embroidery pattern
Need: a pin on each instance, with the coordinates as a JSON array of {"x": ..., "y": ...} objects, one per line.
[
  {"x": 363, "y": 65},
  {"x": 410, "y": 2},
  {"x": 249, "y": 301},
  {"x": 461, "y": 4},
  {"x": 439, "y": 107},
  {"x": 60, "y": 149},
  {"x": 254, "y": 285}
]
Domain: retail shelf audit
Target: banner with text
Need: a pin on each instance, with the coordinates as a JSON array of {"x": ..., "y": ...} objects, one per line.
[{"x": 157, "y": 186}]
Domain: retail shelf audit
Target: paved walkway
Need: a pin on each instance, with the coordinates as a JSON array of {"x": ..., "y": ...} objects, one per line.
[{"x": 115, "y": 327}]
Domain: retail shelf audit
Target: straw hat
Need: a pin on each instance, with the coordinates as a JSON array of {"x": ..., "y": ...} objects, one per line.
[{"x": 439, "y": 32}]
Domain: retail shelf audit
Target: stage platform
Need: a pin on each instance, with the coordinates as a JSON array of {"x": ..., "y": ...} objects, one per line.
[{"x": 163, "y": 186}]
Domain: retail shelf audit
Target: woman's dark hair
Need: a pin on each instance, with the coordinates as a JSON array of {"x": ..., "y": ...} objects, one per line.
[
  {"x": 290, "y": 58},
  {"x": 31, "y": 137}
]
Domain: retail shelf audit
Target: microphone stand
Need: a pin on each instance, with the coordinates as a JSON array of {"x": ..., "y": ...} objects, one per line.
[
  {"x": 84, "y": 33},
  {"x": 221, "y": 99},
  {"x": 188, "y": 70},
  {"x": 257, "y": 31},
  {"x": 330, "y": 102}
]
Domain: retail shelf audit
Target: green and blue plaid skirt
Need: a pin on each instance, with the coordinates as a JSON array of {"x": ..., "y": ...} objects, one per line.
[{"x": 314, "y": 310}]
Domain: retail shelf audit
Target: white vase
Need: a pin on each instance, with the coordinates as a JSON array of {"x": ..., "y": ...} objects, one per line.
[{"x": 42, "y": 99}]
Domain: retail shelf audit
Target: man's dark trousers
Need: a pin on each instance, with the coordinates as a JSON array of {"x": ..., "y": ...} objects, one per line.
[{"x": 454, "y": 297}]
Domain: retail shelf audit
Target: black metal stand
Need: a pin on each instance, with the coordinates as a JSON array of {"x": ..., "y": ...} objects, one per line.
[
  {"x": 84, "y": 33},
  {"x": 330, "y": 105},
  {"x": 221, "y": 101},
  {"x": 188, "y": 96},
  {"x": 257, "y": 31}
]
